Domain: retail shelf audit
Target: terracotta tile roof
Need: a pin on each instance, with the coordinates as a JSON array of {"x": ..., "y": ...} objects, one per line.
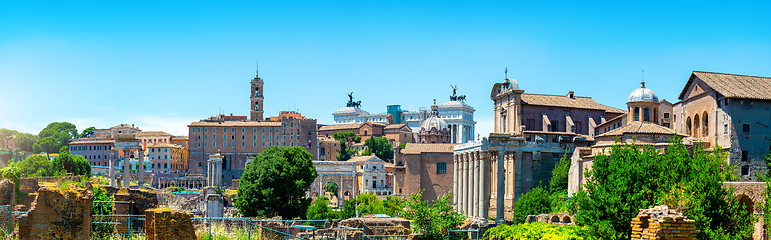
[
  {"x": 90, "y": 141},
  {"x": 566, "y": 102},
  {"x": 179, "y": 138},
  {"x": 396, "y": 126},
  {"x": 640, "y": 127},
  {"x": 126, "y": 126},
  {"x": 152, "y": 134},
  {"x": 733, "y": 86},
  {"x": 610, "y": 120},
  {"x": 235, "y": 124},
  {"x": 364, "y": 158},
  {"x": 417, "y": 148},
  {"x": 165, "y": 145}
]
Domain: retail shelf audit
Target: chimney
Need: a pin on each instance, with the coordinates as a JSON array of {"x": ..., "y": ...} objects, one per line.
[{"x": 570, "y": 94}]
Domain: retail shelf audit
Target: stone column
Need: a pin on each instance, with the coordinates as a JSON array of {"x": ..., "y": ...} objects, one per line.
[
  {"x": 127, "y": 168},
  {"x": 111, "y": 167},
  {"x": 501, "y": 189},
  {"x": 518, "y": 174},
  {"x": 476, "y": 184},
  {"x": 472, "y": 186},
  {"x": 464, "y": 179},
  {"x": 141, "y": 169},
  {"x": 484, "y": 186},
  {"x": 455, "y": 181}
]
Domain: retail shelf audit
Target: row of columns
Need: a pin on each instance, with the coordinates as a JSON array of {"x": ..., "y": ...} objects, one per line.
[
  {"x": 471, "y": 183},
  {"x": 460, "y": 133},
  {"x": 115, "y": 157}
]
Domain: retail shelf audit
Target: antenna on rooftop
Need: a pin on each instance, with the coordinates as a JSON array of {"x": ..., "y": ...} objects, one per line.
[
  {"x": 506, "y": 73},
  {"x": 643, "y": 78}
]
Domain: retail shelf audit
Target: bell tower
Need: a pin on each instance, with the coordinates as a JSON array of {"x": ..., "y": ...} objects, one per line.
[{"x": 256, "y": 97}]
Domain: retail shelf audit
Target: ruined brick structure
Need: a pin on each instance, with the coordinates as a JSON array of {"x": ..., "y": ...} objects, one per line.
[
  {"x": 168, "y": 224},
  {"x": 660, "y": 222},
  {"x": 58, "y": 214}
]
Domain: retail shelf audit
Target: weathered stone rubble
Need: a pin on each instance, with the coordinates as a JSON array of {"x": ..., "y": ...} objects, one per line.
[
  {"x": 660, "y": 222},
  {"x": 168, "y": 224},
  {"x": 58, "y": 214},
  {"x": 8, "y": 191},
  {"x": 377, "y": 226},
  {"x": 560, "y": 219}
]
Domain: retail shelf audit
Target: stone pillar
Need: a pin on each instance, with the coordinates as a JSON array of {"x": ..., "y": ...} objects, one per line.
[
  {"x": 472, "y": 185},
  {"x": 111, "y": 167},
  {"x": 141, "y": 169},
  {"x": 455, "y": 181},
  {"x": 214, "y": 205},
  {"x": 518, "y": 174},
  {"x": 476, "y": 184},
  {"x": 501, "y": 189},
  {"x": 464, "y": 180},
  {"x": 126, "y": 168},
  {"x": 484, "y": 186}
]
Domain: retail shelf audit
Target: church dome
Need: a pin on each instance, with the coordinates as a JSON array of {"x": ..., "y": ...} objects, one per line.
[
  {"x": 643, "y": 94},
  {"x": 434, "y": 122}
]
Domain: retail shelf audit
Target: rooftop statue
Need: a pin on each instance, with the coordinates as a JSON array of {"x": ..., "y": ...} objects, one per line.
[
  {"x": 455, "y": 97},
  {"x": 351, "y": 103}
]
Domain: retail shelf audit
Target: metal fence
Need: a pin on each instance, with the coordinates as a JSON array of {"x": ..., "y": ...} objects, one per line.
[
  {"x": 463, "y": 234},
  {"x": 104, "y": 225}
]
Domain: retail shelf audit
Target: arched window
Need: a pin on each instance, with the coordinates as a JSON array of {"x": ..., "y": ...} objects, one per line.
[
  {"x": 636, "y": 114},
  {"x": 696, "y": 126},
  {"x": 441, "y": 168},
  {"x": 646, "y": 114},
  {"x": 705, "y": 124},
  {"x": 688, "y": 126},
  {"x": 655, "y": 115},
  {"x": 256, "y": 106}
]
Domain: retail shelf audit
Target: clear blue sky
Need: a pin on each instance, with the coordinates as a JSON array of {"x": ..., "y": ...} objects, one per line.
[{"x": 164, "y": 64}]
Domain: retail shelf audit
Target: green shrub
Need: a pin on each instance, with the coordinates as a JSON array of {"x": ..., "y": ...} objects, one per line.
[{"x": 539, "y": 230}]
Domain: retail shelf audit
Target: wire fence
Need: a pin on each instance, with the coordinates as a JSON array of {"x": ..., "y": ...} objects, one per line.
[
  {"x": 105, "y": 224},
  {"x": 463, "y": 234}
]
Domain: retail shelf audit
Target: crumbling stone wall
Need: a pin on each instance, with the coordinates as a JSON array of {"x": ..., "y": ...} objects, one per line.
[
  {"x": 120, "y": 207},
  {"x": 58, "y": 214},
  {"x": 7, "y": 193},
  {"x": 376, "y": 226},
  {"x": 168, "y": 224},
  {"x": 560, "y": 219},
  {"x": 660, "y": 222}
]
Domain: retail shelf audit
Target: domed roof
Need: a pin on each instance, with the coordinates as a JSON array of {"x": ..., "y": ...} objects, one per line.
[
  {"x": 434, "y": 121},
  {"x": 643, "y": 94},
  {"x": 514, "y": 84},
  {"x": 349, "y": 110}
]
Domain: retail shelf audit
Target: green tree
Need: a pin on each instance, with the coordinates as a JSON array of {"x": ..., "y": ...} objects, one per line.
[
  {"x": 349, "y": 209},
  {"x": 35, "y": 165},
  {"x": 432, "y": 221},
  {"x": 331, "y": 187},
  {"x": 320, "y": 210},
  {"x": 632, "y": 178},
  {"x": 46, "y": 144},
  {"x": 559, "y": 176},
  {"x": 536, "y": 201},
  {"x": 66, "y": 162},
  {"x": 87, "y": 133},
  {"x": 368, "y": 203},
  {"x": 381, "y": 147},
  {"x": 346, "y": 139},
  {"x": 766, "y": 177},
  {"x": 275, "y": 183},
  {"x": 393, "y": 205},
  {"x": 13, "y": 174},
  {"x": 25, "y": 142}
]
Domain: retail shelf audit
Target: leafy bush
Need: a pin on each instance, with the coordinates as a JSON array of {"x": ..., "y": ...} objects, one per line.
[
  {"x": 349, "y": 209},
  {"x": 320, "y": 210},
  {"x": 535, "y": 202},
  {"x": 432, "y": 221},
  {"x": 539, "y": 230}
]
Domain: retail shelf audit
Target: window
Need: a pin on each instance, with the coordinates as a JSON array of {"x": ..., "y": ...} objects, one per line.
[
  {"x": 263, "y": 130},
  {"x": 746, "y": 128},
  {"x": 213, "y": 130},
  {"x": 666, "y": 115},
  {"x": 441, "y": 168},
  {"x": 555, "y": 126},
  {"x": 206, "y": 144},
  {"x": 646, "y": 114},
  {"x": 365, "y": 132},
  {"x": 232, "y": 129},
  {"x": 254, "y": 130},
  {"x": 745, "y": 156},
  {"x": 243, "y": 129},
  {"x": 213, "y": 137},
  {"x": 224, "y": 129},
  {"x": 214, "y": 144},
  {"x": 636, "y": 114},
  {"x": 745, "y": 170},
  {"x": 725, "y": 128}
]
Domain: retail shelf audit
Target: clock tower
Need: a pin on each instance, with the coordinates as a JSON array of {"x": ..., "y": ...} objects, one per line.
[{"x": 256, "y": 98}]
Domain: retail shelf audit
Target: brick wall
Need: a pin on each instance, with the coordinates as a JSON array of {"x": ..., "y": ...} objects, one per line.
[
  {"x": 660, "y": 222},
  {"x": 168, "y": 224},
  {"x": 58, "y": 214}
]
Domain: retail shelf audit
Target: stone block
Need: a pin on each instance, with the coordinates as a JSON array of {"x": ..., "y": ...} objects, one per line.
[{"x": 58, "y": 214}]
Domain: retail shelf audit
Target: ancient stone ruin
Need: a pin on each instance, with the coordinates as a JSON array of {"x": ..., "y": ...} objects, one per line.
[
  {"x": 560, "y": 219},
  {"x": 58, "y": 214},
  {"x": 660, "y": 222},
  {"x": 168, "y": 224},
  {"x": 377, "y": 226}
]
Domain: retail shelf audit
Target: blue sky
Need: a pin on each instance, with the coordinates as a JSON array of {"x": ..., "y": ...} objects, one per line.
[{"x": 163, "y": 64}]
